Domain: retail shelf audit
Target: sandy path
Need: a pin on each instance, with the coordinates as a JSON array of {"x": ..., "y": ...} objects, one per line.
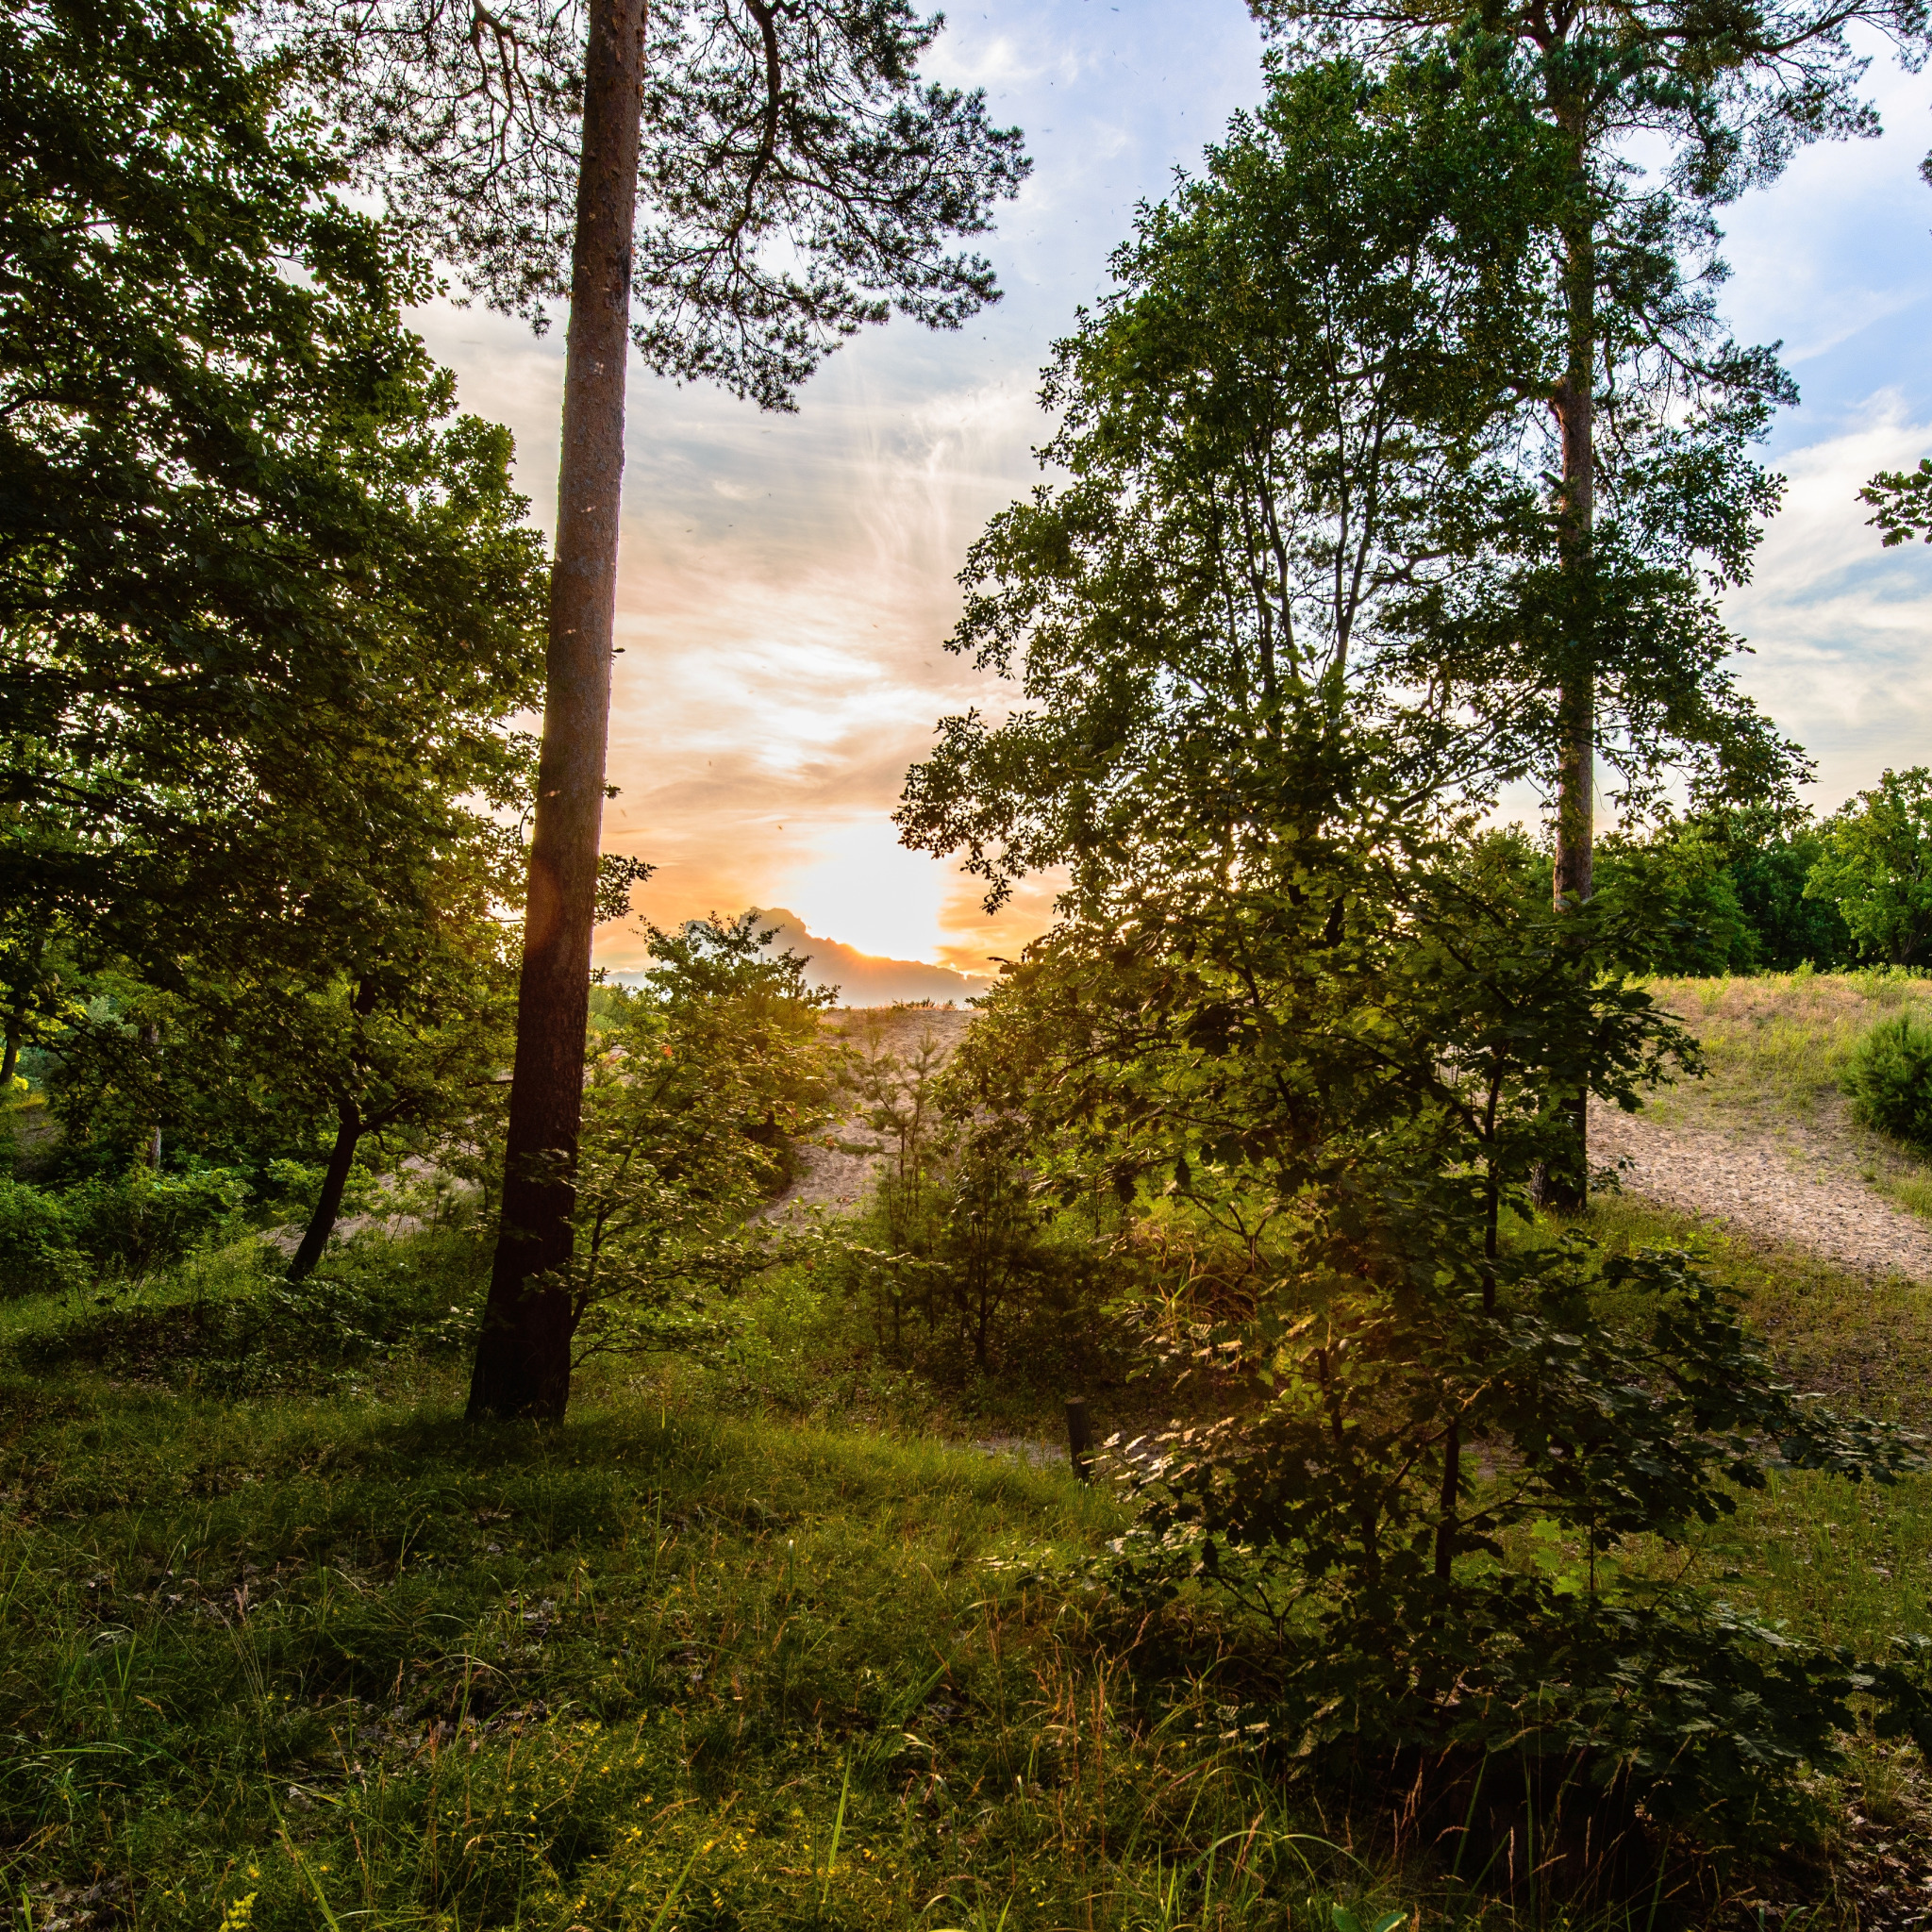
[
  {"x": 839, "y": 1176},
  {"x": 1798, "y": 1187}
]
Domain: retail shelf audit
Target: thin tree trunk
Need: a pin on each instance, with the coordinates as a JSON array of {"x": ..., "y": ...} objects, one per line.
[
  {"x": 1452, "y": 1489},
  {"x": 1574, "y": 402},
  {"x": 335, "y": 1178},
  {"x": 523, "y": 1355},
  {"x": 150, "y": 1037},
  {"x": 16, "y": 1023}
]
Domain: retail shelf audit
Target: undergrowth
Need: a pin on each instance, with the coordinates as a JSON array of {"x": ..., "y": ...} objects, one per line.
[{"x": 283, "y": 1642}]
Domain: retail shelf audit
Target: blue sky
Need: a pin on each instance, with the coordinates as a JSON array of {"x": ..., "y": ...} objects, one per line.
[{"x": 786, "y": 582}]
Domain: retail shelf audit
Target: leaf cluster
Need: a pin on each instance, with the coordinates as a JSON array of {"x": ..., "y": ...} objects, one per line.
[
  {"x": 698, "y": 1086},
  {"x": 797, "y": 179}
]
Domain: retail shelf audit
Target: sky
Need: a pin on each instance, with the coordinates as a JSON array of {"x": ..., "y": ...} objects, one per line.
[{"x": 786, "y": 583}]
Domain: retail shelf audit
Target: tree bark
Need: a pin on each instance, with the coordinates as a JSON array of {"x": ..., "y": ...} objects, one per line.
[
  {"x": 523, "y": 1355},
  {"x": 150, "y": 1036},
  {"x": 335, "y": 1178},
  {"x": 1567, "y": 1184},
  {"x": 10, "y": 1059}
]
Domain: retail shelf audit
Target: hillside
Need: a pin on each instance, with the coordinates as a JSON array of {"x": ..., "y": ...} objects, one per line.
[
  {"x": 755, "y": 1642},
  {"x": 1763, "y": 1144}
]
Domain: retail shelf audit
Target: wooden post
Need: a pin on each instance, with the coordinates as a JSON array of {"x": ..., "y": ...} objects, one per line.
[{"x": 1077, "y": 1437}]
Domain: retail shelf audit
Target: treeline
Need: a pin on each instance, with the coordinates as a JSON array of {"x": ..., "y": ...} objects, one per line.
[{"x": 1745, "y": 891}]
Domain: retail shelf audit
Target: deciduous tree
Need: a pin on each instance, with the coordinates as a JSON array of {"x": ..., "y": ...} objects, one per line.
[
  {"x": 266, "y": 604},
  {"x": 1651, "y": 405}
]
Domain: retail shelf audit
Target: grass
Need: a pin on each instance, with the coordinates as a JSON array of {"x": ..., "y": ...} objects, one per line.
[
  {"x": 752, "y": 1641},
  {"x": 1776, "y": 1043},
  {"x": 314, "y": 1652}
]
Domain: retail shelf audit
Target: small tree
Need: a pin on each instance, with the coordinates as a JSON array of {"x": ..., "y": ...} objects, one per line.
[
  {"x": 1331, "y": 1036},
  {"x": 696, "y": 1090}
]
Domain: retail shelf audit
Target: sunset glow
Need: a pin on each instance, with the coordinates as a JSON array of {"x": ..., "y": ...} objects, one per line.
[{"x": 788, "y": 582}]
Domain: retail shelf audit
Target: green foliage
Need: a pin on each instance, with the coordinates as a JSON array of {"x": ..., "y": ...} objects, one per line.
[
  {"x": 1903, "y": 500},
  {"x": 37, "y": 1253},
  {"x": 227, "y": 1319},
  {"x": 117, "y": 1227},
  {"x": 268, "y": 610},
  {"x": 699, "y": 1084},
  {"x": 1325, "y": 1043},
  {"x": 1676, "y": 892},
  {"x": 1286, "y": 422},
  {"x": 267, "y": 604},
  {"x": 1876, "y": 867},
  {"x": 1790, "y": 927},
  {"x": 1888, "y": 1078}
]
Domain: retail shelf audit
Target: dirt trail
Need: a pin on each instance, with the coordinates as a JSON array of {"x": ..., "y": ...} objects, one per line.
[{"x": 1799, "y": 1187}]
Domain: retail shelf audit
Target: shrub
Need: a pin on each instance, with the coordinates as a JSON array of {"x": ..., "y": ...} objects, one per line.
[
  {"x": 143, "y": 1220},
  {"x": 37, "y": 1250},
  {"x": 129, "y": 1225},
  {"x": 1890, "y": 1080}
]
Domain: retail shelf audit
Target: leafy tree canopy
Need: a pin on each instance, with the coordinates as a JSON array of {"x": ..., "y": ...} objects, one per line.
[
  {"x": 1876, "y": 867},
  {"x": 1305, "y": 453},
  {"x": 266, "y": 606},
  {"x": 797, "y": 179}
]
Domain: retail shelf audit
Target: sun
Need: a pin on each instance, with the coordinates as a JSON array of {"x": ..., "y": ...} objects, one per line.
[{"x": 867, "y": 890}]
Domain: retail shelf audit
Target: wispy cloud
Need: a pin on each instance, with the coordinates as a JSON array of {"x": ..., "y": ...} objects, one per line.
[
  {"x": 1842, "y": 628},
  {"x": 787, "y": 583}
]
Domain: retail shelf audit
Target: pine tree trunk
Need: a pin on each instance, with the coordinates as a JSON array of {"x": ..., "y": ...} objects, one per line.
[
  {"x": 523, "y": 1355},
  {"x": 1568, "y": 1186},
  {"x": 335, "y": 1178}
]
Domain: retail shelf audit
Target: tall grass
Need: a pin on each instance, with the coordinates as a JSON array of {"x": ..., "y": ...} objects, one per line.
[
  {"x": 284, "y": 1642},
  {"x": 1775, "y": 1044}
]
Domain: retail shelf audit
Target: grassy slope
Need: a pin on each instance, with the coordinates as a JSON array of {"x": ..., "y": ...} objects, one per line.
[
  {"x": 742, "y": 1645},
  {"x": 667, "y": 1665},
  {"x": 1775, "y": 1047}
]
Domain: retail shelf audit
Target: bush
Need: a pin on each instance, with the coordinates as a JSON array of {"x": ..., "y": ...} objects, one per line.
[
  {"x": 37, "y": 1251},
  {"x": 143, "y": 1220},
  {"x": 53, "y": 1240},
  {"x": 1890, "y": 1080}
]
